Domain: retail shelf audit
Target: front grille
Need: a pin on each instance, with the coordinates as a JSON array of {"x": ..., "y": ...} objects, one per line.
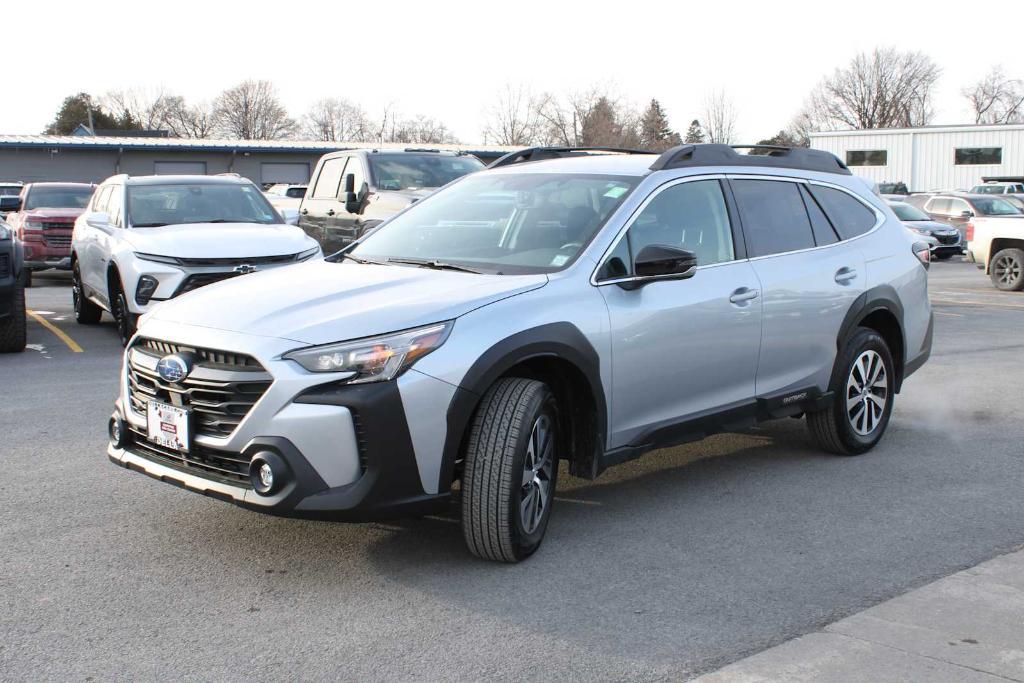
[
  {"x": 55, "y": 240},
  {"x": 230, "y": 468},
  {"x": 948, "y": 239},
  {"x": 201, "y": 280},
  {"x": 235, "y": 260},
  {"x": 5, "y": 265},
  {"x": 58, "y": 225},
  {"x": 220, "y": 391}
]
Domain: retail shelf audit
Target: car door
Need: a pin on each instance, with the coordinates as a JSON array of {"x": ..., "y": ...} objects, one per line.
[
  {"x": 811, "y": 274},
  {"x": 316, "y": 217},
  {"x": 348, "y": 225},
  {"x": 106, "y": 238},
  {"x": 681, "y": 349},
  {"x": 957, "y": 208},
  {"x": 87, "y": 248},
  {"x": 938, "y": 209}
]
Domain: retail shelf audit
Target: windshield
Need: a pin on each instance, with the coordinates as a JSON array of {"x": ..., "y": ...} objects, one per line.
[
  {"x": 415, "y": 171},
  {"x": 151, "y": 206},
  {"x": 994, "y": 207},
  {"x": 906, "y": 212},
  {"x": 502, "y": 223},
  {"x": 58, "y": 197}
]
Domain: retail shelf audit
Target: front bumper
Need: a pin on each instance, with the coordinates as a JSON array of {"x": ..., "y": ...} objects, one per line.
[
  {"x": 60, "y": 263},
  {"x": 348, "y": 450}
]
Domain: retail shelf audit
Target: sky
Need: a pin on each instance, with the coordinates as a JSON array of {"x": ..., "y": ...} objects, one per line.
[{"x": 450, "y": 59}]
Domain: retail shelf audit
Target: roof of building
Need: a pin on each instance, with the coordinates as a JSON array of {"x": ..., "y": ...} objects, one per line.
[
  {"x": 220, "y": 145},
  {"x": 973, "y": 127}
]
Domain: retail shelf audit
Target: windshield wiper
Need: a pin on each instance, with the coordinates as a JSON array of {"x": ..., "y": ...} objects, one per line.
[
  {"x": 344, "y": 255},
  {"x": 149, "y": 225},
  {"x": 435, "y": 264}
]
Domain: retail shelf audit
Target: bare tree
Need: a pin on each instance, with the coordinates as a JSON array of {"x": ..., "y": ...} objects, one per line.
[
  {"x": 336, "y": 120},
  {"x": 886, "y": 88},
  {"x": 589, "y": 118},
  {"x": 190, "y": 121},
  {"x": 719, "y": 117},
  {"x": 251, "y": 110},
  {"x": 996, "y": 98},
  {"x": 513, "y": 118},
  {"x": 148, "y": 107}
]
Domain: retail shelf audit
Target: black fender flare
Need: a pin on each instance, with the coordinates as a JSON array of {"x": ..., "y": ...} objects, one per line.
[
  {"x": 562, "y": 340},
  {"x": 880, "y": 297}
]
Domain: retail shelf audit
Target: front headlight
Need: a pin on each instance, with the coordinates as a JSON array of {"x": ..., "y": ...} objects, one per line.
[
  {"x": 157, "y": 258},
  {"x": 33, "y": 224},
  {"x": 374, "y": 359}
]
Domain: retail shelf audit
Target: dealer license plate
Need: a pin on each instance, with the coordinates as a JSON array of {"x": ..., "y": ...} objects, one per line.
[{"x": 168, "y": 426}]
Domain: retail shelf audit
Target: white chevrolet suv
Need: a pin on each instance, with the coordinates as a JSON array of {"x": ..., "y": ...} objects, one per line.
[{"x": 147, "y": 239}]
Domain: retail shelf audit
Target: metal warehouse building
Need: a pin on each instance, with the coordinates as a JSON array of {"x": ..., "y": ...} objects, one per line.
[
  {"x": 933, "y": 157},
  {"x": 92, "y": 159}
]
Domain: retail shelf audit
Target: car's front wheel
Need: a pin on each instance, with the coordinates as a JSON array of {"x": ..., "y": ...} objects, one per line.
[
  {"x": 1008, "y": 270},
  {"x": 12, "y": 328},
  {"x": 859, "y": 412},
  {"x": 122, "y": 315},
  {"x": 86, "y": 312},
  {"x": 510, "y": 472}
]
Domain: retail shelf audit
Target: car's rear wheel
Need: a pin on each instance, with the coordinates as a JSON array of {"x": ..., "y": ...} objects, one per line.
[
  {"x": 122, "y": 315},
  {"x": 26, "y": 277},
  {"x": 859, "y": 412},
  {"x": 511, "y": 468},
  {"x": 1008, "y": 270},
  {"x": 12, "y": 328},
  {"x": 86, "y": 312}
]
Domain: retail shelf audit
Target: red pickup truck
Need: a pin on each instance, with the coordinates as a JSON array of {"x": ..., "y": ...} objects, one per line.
[{"x": 44, "y": 220}]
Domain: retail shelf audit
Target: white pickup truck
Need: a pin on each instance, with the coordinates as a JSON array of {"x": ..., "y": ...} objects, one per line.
[{"x": 996, "y": 245}]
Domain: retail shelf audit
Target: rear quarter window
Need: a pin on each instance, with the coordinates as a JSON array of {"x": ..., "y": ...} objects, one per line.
[{"x": 849, "y": 216}]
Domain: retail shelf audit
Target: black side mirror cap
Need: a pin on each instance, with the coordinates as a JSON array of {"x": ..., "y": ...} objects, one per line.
[{"x": 661, "y": 262}]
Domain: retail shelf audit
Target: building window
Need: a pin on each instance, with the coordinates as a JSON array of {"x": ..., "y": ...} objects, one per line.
[
  {"x": 867, "y": 157},
  {"x": 975, "y": 156}
]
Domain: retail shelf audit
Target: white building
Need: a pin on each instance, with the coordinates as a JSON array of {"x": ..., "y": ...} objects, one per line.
[{"x": 933, "y": 157}]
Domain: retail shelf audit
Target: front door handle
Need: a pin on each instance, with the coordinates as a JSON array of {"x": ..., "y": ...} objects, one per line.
[
  {"x": 743, "y": 294},
  {"x": 305, "y": 212},
  {"x": 330, "y": 212},
  {"x": 845, "y": 276}
]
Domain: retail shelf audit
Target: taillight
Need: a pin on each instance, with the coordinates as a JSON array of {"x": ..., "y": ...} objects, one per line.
[
  {"x": 970, "y": 231},
  {"x": 923, "y": 254}
]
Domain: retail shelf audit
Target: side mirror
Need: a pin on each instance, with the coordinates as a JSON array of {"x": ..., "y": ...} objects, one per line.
[
  {"x": 966, "y": 214},
  {"x": 353, "y": 201},
  {"x": 662, "y": 262},
  {"x": 98, "y": 219},
  {"x": 290, "y": 216}
]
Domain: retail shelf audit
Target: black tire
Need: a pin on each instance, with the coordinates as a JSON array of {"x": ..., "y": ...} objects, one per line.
[
  {"x": 122, "y": 315},
  {"x": 86, "y": 312},
  {"x": 944, "y": 257},
  {"x": 493, "y": 488},
  {"x": 842, "y": 428},
  {"x": 1007, "y": 270},
  {"x": 26, "y": 278},
  {"x": 12, "y": 328}
]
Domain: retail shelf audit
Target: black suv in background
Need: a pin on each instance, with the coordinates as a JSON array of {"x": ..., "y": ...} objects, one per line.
[
  {"x": 354, "y": 190},
  {"x": 12, "y": 292}
]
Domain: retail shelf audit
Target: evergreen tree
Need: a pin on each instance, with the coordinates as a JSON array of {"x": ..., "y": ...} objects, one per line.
[
  {"x": 74, "y": 111},
  {"x": 694, "y": 134},
  {"x": 655, "y": 132}
]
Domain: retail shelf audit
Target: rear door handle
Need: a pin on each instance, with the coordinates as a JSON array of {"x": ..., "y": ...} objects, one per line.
[
  {"x": 744, "y": 294},
  {"x": 846, "y": 275}
]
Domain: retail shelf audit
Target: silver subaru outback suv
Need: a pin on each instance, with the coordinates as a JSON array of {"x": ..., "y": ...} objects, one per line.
[{"x": 564, "y": 305}]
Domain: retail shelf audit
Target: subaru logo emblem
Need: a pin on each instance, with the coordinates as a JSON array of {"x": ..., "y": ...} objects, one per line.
[
  {"x": 245, "y": 269},
  {"x": 173, "y": 368}
]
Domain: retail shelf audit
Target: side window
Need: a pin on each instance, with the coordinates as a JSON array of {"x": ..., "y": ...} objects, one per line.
[
  {"x": 329, "y": 179},
  {"x": 939, "y": 205},
  {"x": 115, "y": 205},
  {"x": 355, "y": 167},
  {"x": 690, "y": 216},
  {"x": 824, "y": 232},
  {"x": 957, "y": 207},
  {"x": 619, "y": 263},
  {"x": 774, "y": 217},
  {"x": 849, "y": 216},
  {"x": 100, "y": 201}
]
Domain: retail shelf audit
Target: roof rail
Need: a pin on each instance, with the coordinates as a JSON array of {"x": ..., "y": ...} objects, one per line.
[
  {"x": 541, "y": 153},
  {"x": 777, "y": 156}
]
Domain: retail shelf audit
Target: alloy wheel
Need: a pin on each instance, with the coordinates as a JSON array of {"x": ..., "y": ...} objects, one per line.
[
  {"x": 867, "y": 391},
  {"x": 121, "y": 318},
  {"x": 537, "y": 468},
  {"x": 76, "y": 289},
  {"x": 1007, "y": 269}
]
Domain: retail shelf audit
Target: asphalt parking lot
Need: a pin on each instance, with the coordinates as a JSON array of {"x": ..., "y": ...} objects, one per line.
[{"x": 670, "y": 566}]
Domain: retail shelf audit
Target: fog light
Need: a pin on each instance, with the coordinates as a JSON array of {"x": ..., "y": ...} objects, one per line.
[
  {"x": 267, "y": 473},
  {"x": 145, "y": 289},
  {"x": 116, "y": 430}
]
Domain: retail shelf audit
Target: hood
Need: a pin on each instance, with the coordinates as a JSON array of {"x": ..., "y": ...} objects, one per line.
[
  {"x": 225, "y": 240},
  {"x": 929, "y": 225},
  {"x": 54, "y": 214},
  {"x": 319, "y": 302}
]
